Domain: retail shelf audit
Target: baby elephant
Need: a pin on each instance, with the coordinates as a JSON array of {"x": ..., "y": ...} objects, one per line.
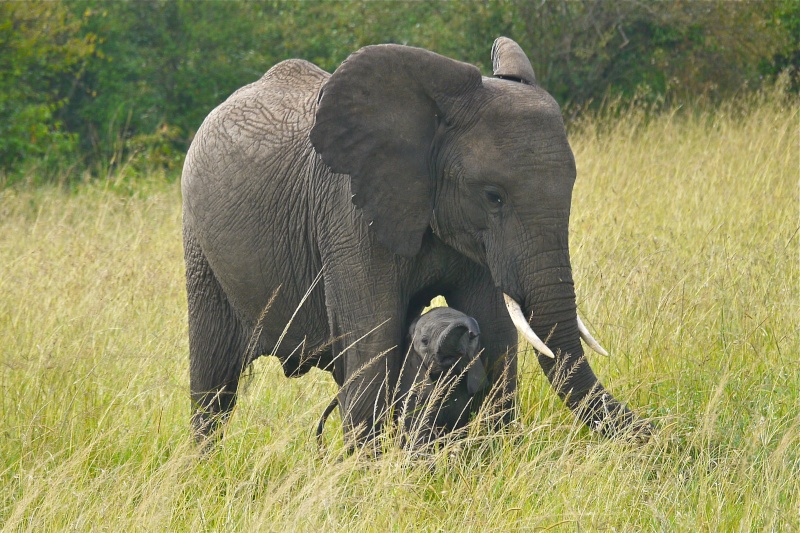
[{"x": 442, "y": 373}]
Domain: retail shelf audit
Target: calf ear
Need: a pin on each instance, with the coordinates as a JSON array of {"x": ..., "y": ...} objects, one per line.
[
  {"x": 376, "y": 120},
  {"x": 476, "y": 377}
]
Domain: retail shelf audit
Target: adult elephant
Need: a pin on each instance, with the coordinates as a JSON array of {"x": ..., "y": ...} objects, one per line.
[{"x": 322, "y": 212}]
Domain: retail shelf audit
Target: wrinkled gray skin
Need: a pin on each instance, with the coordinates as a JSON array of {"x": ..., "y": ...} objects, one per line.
[
  {"x": 402, "y": 176},
  {"x": 443, "y": 371}
]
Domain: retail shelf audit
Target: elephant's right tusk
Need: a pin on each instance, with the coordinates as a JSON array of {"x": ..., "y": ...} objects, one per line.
[
  {"x": 588, "y": 339},
  {"x": 515, "y": 311}
]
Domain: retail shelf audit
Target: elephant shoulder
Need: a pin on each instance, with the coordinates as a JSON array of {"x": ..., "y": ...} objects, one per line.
[{"x": 290, "y": 87}]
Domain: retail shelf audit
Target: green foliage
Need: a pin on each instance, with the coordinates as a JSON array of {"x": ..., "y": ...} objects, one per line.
[
  {"x": 584, "y": 50},
  {"x": 111, "y": 85},
  {"x": 164, "y": 66},
  {"x": 787, "y": 21},
  {"x": 42, "y": 55}
]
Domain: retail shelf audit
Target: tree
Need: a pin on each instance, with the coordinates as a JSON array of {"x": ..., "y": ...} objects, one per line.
[
  {"x": 43, "y": 54},
  {"x": 105, "y": 82}
]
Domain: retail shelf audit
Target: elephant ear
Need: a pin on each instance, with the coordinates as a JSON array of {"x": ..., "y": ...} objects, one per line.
[
  {"x": 376, "y": 120},
  {"x": 510, "y": 62}
]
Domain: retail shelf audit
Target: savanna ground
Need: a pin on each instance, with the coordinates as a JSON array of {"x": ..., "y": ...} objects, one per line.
[{"x": 685, "y": 248}]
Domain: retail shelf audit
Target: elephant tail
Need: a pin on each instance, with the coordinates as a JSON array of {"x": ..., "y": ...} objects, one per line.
[{"x": 325, "y": 414}]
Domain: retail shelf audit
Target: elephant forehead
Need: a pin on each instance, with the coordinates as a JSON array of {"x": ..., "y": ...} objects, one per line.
[
  {"x": 519, "y": 125},
  {"x": 522, "y": 161},
  {"x": 439, "y": 319},
  {"x": 516, "y": 104},
  {"x": 429, "y": 326}
]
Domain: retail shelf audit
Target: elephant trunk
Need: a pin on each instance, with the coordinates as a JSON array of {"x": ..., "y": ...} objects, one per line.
[
  {"x": 458, "y": 351},
  {"x": 550, "y": 306}
]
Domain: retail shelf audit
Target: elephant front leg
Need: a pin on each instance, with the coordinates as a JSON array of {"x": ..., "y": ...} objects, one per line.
[
  {"x": 368, "y": 336},
  {"x": 367, "y": 397},
  {"x": 367, "y": 365}
]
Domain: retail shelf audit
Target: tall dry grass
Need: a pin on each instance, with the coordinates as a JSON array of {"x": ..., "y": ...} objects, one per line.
[{"x": 685, "y": 249}]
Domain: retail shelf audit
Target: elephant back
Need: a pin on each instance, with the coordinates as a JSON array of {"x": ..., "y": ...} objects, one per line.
[{"x": 276, "y": 109}]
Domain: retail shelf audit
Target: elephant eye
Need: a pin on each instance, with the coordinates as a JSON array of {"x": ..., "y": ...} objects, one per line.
[
  {"x": 424, "y": 341},
  {"x": 494, "y": 198}
]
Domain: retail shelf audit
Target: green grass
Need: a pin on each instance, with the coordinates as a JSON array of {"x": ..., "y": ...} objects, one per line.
[{"x": 685, "y": 249}]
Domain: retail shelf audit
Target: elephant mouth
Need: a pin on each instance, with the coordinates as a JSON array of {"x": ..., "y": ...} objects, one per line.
[{"x": 524, "y": 328}]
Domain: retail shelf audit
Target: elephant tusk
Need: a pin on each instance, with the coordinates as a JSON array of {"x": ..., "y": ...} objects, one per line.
[
  {"x": 524, "y": 328},
  {"x": 588, "y": 339}
]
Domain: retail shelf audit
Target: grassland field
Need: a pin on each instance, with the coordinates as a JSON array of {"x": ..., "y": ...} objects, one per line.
[{"x": 685, "y": 246}]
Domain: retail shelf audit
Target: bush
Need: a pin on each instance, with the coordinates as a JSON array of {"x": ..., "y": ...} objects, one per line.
[
  {"x": 44, "y": 53},
  {"x": 92, "y": 84}
]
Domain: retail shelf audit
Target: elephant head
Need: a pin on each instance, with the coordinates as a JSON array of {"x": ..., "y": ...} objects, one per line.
[
  {"x": 443, "y": 370},
  {"x": 484, "y": 164},
  {"x": 444, "y": 343}
]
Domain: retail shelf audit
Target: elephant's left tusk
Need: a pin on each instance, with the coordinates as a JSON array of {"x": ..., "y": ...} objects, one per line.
[
  {"x": 523, "y": 327},
  {"x": 588, "y": 339}
]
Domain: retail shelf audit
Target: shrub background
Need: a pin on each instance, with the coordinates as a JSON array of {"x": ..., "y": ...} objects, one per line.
[{"x": 89, "y": 86}]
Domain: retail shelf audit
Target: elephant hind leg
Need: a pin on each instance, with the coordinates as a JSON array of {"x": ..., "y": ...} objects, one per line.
[{"x": 217, "y": 344}]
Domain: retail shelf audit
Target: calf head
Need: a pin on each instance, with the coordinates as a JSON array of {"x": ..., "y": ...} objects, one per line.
[{"x": 444, "y": 368}]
